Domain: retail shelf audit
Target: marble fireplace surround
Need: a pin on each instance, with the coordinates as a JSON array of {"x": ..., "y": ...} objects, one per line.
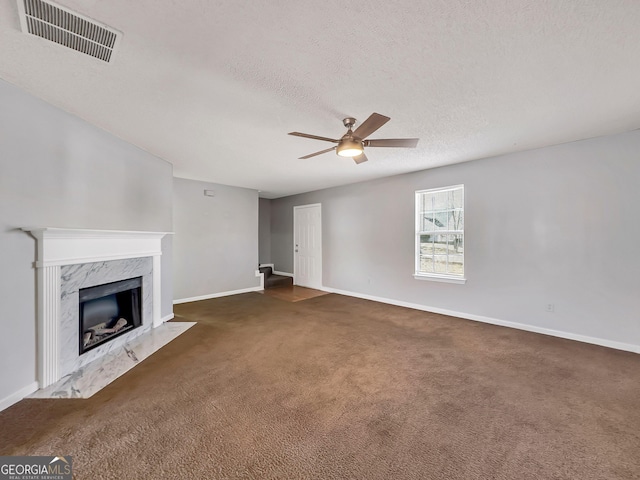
[{"x": 69, "y": 259}]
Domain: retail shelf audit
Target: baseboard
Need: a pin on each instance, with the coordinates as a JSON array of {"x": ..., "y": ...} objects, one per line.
[
  {"x": 284, "y": 274},
  {"x": 167, "y": 318},
  {"x": 267, "y": 265},
  {"x": 17, "y": 396},
  {"x": 627, "y": 347},
  {"x": 216, "y": 295}
]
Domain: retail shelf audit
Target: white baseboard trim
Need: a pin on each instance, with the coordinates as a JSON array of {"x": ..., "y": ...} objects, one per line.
[
  {"x": 267, "y": 265},
  {"x": 627, "y": 347},
  {"x": 284, "y": 274},
  {"x": 168, "y": 317},
  {"x": 17, "y": 396},
  {"x": 216, "y": 295}
]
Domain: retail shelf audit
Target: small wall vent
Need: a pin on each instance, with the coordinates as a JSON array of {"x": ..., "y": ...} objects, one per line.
[{"x": 60, "y": 25}]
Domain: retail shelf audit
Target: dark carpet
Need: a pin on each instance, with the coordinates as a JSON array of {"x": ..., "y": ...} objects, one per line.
[{"x": 341, "y": 388}]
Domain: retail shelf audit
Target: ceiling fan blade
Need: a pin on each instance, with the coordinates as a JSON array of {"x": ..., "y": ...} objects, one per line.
[
  {"x": 392, "y": 142},
  {"x": 315, "y": 137},
  {"x": 360, "y": 158},
  {"x": 370, "y": 125},
  {"x": 317, "y": 153}
]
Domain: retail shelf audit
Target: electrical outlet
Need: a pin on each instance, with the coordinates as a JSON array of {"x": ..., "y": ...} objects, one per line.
[{"x": 550, "y": 307}]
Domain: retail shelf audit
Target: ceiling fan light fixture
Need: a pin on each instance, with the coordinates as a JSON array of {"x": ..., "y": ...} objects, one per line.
[
  {"x": 352, "y": 143},
  {"x": 349, "y": 148}
]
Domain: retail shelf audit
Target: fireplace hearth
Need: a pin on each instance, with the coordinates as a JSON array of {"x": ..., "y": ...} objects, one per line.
[{"x": 108, "y": 311}]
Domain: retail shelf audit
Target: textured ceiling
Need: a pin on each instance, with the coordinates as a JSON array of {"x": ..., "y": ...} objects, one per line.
[{"x": 214, "y": 86}]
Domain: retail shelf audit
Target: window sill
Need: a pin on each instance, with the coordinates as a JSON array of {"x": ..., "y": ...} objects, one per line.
[{"x": 440, "y": 278}]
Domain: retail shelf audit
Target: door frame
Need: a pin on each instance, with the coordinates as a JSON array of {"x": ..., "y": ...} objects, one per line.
[{"x": 295, "y": 259}]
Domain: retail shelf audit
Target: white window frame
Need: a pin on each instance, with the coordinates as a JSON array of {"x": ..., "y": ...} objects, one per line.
[{"x": 437, "y": 277}]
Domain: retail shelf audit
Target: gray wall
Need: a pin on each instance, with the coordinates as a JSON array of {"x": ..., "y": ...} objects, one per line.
[
  {"x": 58, "y": 171},
  {"x": 215, "y": 246},
  {"x": 264, "y": 230},
  {"x": 557, "y": 225}
]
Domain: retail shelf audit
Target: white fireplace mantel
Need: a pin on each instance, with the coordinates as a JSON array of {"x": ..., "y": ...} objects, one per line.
[{"x": 66, "y": 246}]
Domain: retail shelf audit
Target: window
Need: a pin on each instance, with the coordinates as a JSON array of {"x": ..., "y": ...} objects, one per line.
[{"x": 440, "y": 234}]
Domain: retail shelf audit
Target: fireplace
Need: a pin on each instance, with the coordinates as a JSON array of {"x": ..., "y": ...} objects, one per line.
[
  {"x": 107, "y": 311},
  {"x": 70, "y": 260}
]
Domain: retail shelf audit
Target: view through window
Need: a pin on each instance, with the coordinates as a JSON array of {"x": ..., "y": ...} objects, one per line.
[{"x": 440, "y": 232}]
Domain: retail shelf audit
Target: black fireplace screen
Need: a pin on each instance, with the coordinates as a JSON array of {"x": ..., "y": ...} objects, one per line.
[{"x": 107, "y": 311}]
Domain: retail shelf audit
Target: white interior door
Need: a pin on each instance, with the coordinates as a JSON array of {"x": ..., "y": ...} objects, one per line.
[{"x": 307, "y": 241}]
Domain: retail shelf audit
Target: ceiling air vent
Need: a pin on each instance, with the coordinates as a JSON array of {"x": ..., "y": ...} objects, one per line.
[{"x": 58, "y": 24}]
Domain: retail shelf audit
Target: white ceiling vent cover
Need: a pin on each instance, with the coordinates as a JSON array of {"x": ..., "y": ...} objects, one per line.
[{"x": 62, "y": 26}]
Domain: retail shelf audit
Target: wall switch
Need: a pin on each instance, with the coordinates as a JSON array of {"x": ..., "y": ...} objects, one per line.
[
  {"x": 209, "y": 193},
  {"x": 550, "y": 307}
]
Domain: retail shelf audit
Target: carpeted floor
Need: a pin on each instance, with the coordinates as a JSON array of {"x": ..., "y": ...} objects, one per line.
[{"x": 340, "y": 388}]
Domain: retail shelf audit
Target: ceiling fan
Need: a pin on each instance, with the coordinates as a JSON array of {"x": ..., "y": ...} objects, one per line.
[{"x": 352, "y": 143}]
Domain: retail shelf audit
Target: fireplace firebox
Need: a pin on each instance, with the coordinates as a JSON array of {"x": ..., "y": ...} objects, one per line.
[{"x": 108, "y": 311}]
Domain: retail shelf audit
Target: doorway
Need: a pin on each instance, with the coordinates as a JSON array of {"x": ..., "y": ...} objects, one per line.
[{"x": 307, "y": 250}]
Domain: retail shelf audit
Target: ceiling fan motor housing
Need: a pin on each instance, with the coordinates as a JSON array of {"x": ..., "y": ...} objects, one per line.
[{"x": 349, "y": 146}]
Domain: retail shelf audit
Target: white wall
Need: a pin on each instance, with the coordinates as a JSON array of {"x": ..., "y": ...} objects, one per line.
[
  {"x": 264, "y": 230},
  {"x": 557, "y": 225},
  {"x": 58, "y": 171},
  {"x": 215, "y": 246}
]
